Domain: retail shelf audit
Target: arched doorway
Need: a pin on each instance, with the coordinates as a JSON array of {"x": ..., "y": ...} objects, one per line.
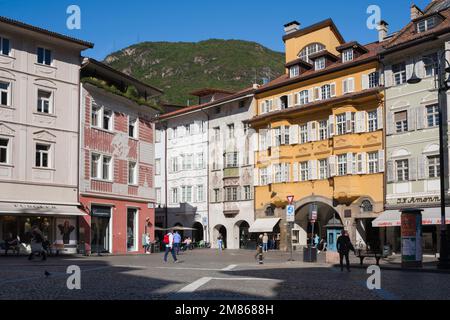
[
  {"x": 197, "y": 234},
  {"x": 181, "y": 232},
  {"x": 307, "y": 230},
  {"x": 244, "y": 239},
  {"x": 220, "y": 229}
]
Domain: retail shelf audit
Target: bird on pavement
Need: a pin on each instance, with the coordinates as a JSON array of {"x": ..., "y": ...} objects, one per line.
[{"x": 47, "y": 274}]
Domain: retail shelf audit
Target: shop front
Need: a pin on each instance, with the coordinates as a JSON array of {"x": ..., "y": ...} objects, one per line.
[{"x": 57, "y": 223}]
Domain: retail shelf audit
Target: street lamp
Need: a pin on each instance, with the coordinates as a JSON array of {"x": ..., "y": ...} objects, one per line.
[{"x": 443, "y": 67}]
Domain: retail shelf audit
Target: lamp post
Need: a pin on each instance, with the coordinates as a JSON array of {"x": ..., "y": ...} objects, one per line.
[{"x": 443, "y": 87}]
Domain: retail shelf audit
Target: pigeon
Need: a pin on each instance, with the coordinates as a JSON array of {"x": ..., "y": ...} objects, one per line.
[{"x": 47, "y": 274}]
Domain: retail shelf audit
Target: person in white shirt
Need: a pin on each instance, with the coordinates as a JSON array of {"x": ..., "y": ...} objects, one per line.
[{"x": 168, "y": 241}]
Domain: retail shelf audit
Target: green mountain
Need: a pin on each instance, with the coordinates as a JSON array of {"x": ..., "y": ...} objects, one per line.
[{"x": 179, "y": 68}]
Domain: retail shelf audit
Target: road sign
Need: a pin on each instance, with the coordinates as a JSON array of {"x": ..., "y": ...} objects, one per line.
[
  {"x": 290, "y": 199},
  {"x": 290, "y": 213}
]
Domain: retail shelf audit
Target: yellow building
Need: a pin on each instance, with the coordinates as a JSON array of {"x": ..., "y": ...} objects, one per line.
[{"x": 320, "y": 132}]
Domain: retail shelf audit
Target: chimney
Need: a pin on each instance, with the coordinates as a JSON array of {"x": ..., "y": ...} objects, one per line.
[
  {"x": 291, "y": 27},
  {"x": 415, "y": 12},
  {"x": 382, "y": 30}
]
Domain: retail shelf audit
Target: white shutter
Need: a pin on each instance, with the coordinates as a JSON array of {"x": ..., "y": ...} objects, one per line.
[
  {"x": 390, "y": 171},
  {"x": 364, "y": 163},
  {"x": 255, "y": 177},
  {"x": 388, "y": 77},
  {"x": 360, "y": 164},
  {"x": 269, "y": 174},
  {"x": 290, "y": 100},
  {"x": 350, "y": 169},
  {"x": 412, "y": 166},
  {"x": 420, "y": 117},
  {"x": 348, "y": 120},
  {"x": 331, "y": 125},
  {"x": 170, "y": 133},
  {"x": 351, "y": 84},
  {"x": 262, "y": 107},
  {"x": 314, "y": 131},
  {"x": 345, "y": 86},
  {"x": 411, "y": 119},
  {"x": 381, "y": 161},
  {"x": 380, "y": 118},
  {"x": 278, "y": 103},
  {"x": 309, "y": 131},
  {"x": 365, "y": 81},
  {"x": 287, "y": 172},
  {"x": 283, "y": 137},
  {"x": 360, "y": 119},
  {"x": 268, "y": 138},
  {"x": 296, "y": 99},
  {"x": 332, "y": 166},
  {"x": 293, "y": 134},
  {"x": 313, "y": 165},
  {"x": 254, "y": 141},
  {"x": 272, "y": 137},
  {"x": 390, "y": 125},
  {"x": 333, "y": 89},
  {"x": 295, "y": 172},
  {"x": 310, "y": 95},
  {"x": 422, "y": 171},
  {"x": 262, "y": 137},
  {"x": 317, "y": 94}
]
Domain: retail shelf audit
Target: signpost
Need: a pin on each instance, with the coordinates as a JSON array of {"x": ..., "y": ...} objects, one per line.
[{"x": 290, "y": 219}]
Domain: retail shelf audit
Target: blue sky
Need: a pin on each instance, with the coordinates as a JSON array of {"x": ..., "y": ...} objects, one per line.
[{"x": 114, "y": 24}]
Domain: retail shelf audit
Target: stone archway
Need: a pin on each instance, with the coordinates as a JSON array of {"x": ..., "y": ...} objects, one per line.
[
  {"x": 220, "y": 229},
  {"x": 197, "y": 234},
  {"x": 243, "y": 238}
]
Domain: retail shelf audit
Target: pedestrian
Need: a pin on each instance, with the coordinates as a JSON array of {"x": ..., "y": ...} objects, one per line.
[
  {"x": 168, "y": 242},
  {"x": 265, "y": 241},
  {"x": 344, "y": 245},
  {"x": 37, "y": 239},
  {"x": 11, "y": 243},
  {"x": 177, "y": 242},
  {"x": 316, "y": 240},
  {"x": 259, "y": 250},
  {"x": 220, "y": 242},
  {"x": 146, "y": 243}
]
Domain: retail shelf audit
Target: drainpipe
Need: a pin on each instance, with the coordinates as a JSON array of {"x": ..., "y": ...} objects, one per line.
[
  {"x": 381, "y": 58},
  {"x": 207, "y": 174}
]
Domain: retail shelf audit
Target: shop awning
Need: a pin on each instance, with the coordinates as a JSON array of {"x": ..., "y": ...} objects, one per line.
[
  {"x": 39, "y": 209},
  {"x": 264, "y": 225},
  {"x": 430, "y": 216}
]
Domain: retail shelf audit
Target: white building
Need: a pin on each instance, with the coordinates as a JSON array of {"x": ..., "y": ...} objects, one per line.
[{"x": 39, "y": 131}]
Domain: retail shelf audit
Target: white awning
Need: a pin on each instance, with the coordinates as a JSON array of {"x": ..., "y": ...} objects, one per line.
[
  {"x": 7, "y": 208},
  {"x": 264, "y": 225},
  {"x": 430, "y": 216}
]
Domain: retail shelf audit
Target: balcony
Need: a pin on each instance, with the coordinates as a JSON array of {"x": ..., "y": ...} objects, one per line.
[
  {"x": 230, "y": 173},
  {"x": 230, "y": 209}
]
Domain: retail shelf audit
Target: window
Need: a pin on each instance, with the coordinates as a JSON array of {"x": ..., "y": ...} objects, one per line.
[
  {"x": 174, "y": 164},
  {"x": 326, "y": 91},
  {"x": 303, "y": 97},
  {"x": 373, "y": 162},
  {"x": 95, "y": 166},
  {"x": 264, "y": 178},
  {"x": 231, "y": 194},
  {"x": 342, "y": 164},
  {"x": 267, "y": 106},
  {"x": 402, "y": 170},
  {"x": 186, "y": 194},
  {"x": 247, "y": 193},
  {"x": 323, "y": 169},
  {"x": 216, "y": 195},
  {"x": 4, "y": 151},
  {"x": 401, "y": 121},
  {"x": 286, "y": 135},
  {"x": 231, "y": 131},
  {"x": 132, "y": 128},
  {"x": 106, "y": 168},
  {"x": 187, "y": 161},
  {"x": 426, "y": 24},
  {"x": 341, "y": 124},
  {"x": 304, "y": 176},
  {"x": 216, "y": 134},
  {"x": 347, "y": 55},
  {"x": 107, "y": 119},
  {"x": 348, "y": 85},
  {"x": 95, "y": 116},
  {"x": 277, "y": 133},
  {"x": 174, "y": 195},
  {"x": 132, "y": 173},
  {"x": 303, "y": 133},
  {"x": 44, "y": 101},
  {"x": 366, "y": 206},
  {"x": 372, "y": 120},
  {"x": 241, "y": 104},
  {"x": 200, "y": 197},
  {"x": 323, "y": 130},
  {"x": 231, "y": 159},
  {"x": 399, "y": 72},
  {"x": 319, "y": 63},
  {"x": 44, "y": 56},
  {"x": 200, "y": 161},
  {"x": 430, "y": 64},
  {"x": 374, "y": 80},
  {"x": 284, "y": 102},
  {"x": 4, "y": 46},
  {"x": 432, "y": 115},
  {"x": 157, "y": 136},
  {"x": 42, "y": 156},
  {"x": 278, "y": 168},
  {"x": 433, "y": 166},
  {"x": 157, "y": 167},
  {"x": 4, "y": 94},
  {"x": 309, "y": 50},
  {"x": 294, "y": 71}
]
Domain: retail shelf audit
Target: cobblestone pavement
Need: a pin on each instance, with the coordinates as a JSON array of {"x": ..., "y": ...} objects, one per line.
[{"x": 208, "y": 274}]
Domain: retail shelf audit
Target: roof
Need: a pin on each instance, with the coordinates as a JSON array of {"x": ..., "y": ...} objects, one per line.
[
  {"x": 323, "y": 53},
  {"x": 409, "y": 36},
  {"x": 299, "y": 61},
  {"x": 352, "y": 44},
  {"x": 208, "y": 91},
  {"x": 236, "y": 95},
  {"x": 107, "y": 71},
  {"x": 46, "y": 32},
  {"x": 314, "y": 27},
  {"x": 372, "y": 55}
]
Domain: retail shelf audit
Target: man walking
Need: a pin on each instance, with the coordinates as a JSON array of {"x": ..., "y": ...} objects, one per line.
[
  {"x": 177, "y": 242},
  {"x": 265, "y": 242},
  {"x": 168, "y": 242},
  {"x": 344, "y": 245},
  {"x": 37, "y": 241},
  {"x": 220, "y": 242}
]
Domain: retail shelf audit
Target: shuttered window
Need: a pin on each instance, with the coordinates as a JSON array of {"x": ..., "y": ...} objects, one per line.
[{"x": 401, "y": 121}]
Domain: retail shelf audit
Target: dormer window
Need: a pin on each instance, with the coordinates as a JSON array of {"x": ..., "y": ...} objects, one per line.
[
  {"x": 294, "y": 71},
  {"x": 319, "y": 63},
  {"x": 310, "y": 50},
  {"x": 426, "y": 24},
  {"x": 347, "y": 55}
]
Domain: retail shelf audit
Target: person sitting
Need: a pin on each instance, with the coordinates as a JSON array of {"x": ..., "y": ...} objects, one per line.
[{"x": 11, "y": 243}]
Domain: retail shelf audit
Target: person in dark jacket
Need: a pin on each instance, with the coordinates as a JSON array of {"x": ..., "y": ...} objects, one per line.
[{"x": 344, "y": 245}]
